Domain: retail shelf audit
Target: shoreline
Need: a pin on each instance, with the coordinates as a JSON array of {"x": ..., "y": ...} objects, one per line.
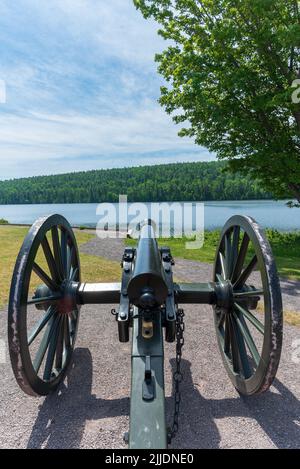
[
  {"x": 93, "y": 228},
  {"x": 209, "y": 201}
]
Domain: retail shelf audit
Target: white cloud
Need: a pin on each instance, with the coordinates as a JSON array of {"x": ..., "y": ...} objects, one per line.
[
  {"x": 48, "y": 135},
  {"x": 2, "y": 92},
  {"x": 117, "y": 27},
  {"x": 82, "y": 88}
]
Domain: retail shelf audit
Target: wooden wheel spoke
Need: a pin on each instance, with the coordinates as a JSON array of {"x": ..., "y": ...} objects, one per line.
[
  {"x": 60, "y": 345},
  {"x": 228, "y": 255},
  {"x": 248, "y": 294},
  {"x": 223, "y": 265},
  {"x": 227, "y": 336},
  {"x": 238, "y": 267},
  {"x": 234, "y": 249},
  {"x": 44, "y": 277},
  {"x": 70, "y": 255},
  {"x": 254, "y": 321},
  {"x": 72, "y": 329},
  {"x": 44, "y": 300},
  {"x": 72, "y": 323},
  {"x": 241, "y": 350},
  {"x": 234, "y": 346},
  {"x": 220, "y": 278},
  {"x": 52, "y": 350},
  {"x": 248, "y": 339},
  {"x": 44, "y": 344},
  {"x": 71, "y": 273},
  {"x": 74, "y": 273},
  {"x": 246, "y": 273},
  {"x": 64, "y": 252},
  {"x": 40, "y": 325},
  {"x": 67, "y": 334},
  {"x": 50, "y": 260},
  {"x": 57, "y": 251},
  {"x": 221, "y": 319}
]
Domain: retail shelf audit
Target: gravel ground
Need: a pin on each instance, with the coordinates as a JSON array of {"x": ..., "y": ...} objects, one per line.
[
  {"x": 109, "y": 247},
  {"x": 91, "y": 408}
]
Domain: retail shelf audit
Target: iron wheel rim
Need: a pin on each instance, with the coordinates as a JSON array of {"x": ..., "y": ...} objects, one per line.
[
  {"x": 18, "y": 338},
  {"x": 262, "y": 377}
]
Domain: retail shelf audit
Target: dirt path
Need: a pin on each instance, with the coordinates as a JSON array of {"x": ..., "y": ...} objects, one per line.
[{"x": 91, "y": 408}]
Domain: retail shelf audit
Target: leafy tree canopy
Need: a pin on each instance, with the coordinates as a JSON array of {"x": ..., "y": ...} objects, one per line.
[{"x": 229, "y": 67}]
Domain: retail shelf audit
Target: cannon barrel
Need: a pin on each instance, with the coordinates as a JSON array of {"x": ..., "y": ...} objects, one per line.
[{"x": 148, "y": 287}]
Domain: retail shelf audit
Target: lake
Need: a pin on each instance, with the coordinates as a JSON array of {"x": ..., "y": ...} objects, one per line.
[{"x": 268, "y": 213}]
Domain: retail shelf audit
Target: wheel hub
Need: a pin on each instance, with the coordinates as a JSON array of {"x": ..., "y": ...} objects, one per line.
[
  {"x": 225, "y": 298},
  {"x": 66, "y": 303}
]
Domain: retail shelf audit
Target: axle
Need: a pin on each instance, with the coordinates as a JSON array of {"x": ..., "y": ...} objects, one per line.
[
  {"x": 212, "y": 293},
  {"x": 185, "y": 293}
]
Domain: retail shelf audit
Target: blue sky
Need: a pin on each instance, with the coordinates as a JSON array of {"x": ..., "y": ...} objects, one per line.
[{"x": 82, "y": 89}]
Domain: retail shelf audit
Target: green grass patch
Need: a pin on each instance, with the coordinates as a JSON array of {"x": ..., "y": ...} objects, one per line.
[
  {"x": 94, "y": 269},
  {"x": 286, "y": 249}
]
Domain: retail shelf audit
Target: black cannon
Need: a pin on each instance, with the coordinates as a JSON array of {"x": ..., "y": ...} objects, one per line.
[{"x": 47, "y": 294}]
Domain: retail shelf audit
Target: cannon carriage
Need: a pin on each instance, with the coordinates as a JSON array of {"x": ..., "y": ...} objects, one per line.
[{"x": 47, "y": 294}]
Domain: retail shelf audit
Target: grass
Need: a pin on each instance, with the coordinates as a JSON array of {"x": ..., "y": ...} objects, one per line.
[
  {"x": 94, "y": 269},
  {"x": 289, "y": 317},
  {"x": 292, "y": 318},
  {"x": 286, "y": 249}
]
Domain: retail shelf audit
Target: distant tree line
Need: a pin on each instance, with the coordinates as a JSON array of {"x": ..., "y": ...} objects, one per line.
[{"x": 170, "y": 182}]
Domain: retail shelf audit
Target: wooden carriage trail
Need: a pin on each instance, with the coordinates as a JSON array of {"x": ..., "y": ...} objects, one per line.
[{"x": 91, "y": 408}]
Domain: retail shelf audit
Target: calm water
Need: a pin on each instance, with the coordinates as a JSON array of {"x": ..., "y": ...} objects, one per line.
[{"x": 267, "y": 212}]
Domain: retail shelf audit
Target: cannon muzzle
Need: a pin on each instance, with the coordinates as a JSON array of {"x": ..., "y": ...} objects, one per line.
[{"x": 147, "y": 288}]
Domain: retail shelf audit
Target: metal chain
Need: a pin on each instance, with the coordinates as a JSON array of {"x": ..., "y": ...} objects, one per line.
[{"x": 178, "y": 375}]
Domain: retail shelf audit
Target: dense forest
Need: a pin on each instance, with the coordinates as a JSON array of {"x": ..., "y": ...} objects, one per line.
[{"x": 170, "y": 182}]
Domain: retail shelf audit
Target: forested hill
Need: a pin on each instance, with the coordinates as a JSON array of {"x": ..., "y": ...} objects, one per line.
[{"x": 179, "y": 181}]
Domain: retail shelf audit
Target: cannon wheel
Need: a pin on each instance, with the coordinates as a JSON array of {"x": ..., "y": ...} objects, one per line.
[
  {"x": 250, "y": 342},
  {"x": 41, "y": 351}
]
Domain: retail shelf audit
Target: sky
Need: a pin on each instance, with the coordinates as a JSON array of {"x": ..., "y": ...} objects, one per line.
[{"x": 79, "y": 89}]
